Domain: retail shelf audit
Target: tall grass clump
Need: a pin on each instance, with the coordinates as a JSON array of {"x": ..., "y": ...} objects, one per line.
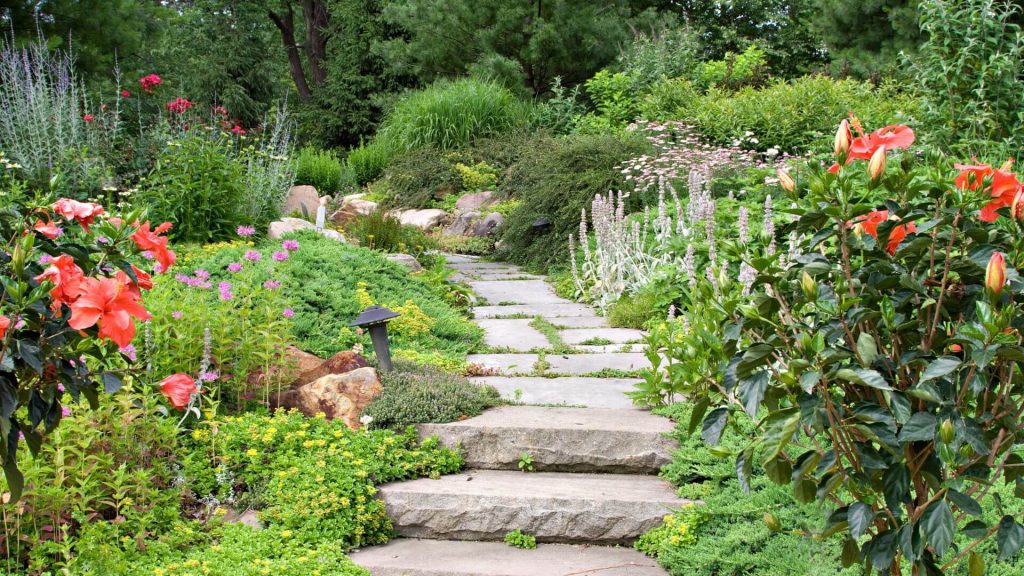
[
  {"x": 445, "y": 115},
  {"x": 41, "y": 120}
]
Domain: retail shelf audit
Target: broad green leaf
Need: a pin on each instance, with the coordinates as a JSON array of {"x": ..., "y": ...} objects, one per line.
[
  {"x": 940, "y": 367},
  {"x": 864, "y": 377},
  {"x": 851, "y": 553},
  {"x": 809, "y": 379},
  {"x": 926, "y": 391},
  {"x": 780, "y": 433},
  {"x": 866, "y": 349},
  {"x": 965, "y": 502},
  {"x": 920, "y": 428},
  {"x": 714, "y": 424},
  {"x": 860, "y": 517},
  {"x": 883, "y": 550},
  {"x": 1009, "y": 538},
  {"x": 937, "y": 526},
  {"x": 751, "y": 391}
]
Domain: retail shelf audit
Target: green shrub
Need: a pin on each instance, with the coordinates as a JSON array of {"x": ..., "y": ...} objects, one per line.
[
  {"x": 320, "y": 169},
  {"x": 367, "y": 162},
  {"x": 733, "y": 71},
  {"x": 634, "y": 311},
  {"x": 666, "y": 98},
  {"x": 614, "y": 97},
  {"x": 415, "y": 394},
  {"x": 480, "y": 176},
  {"x": 378, "y": 231},
  {"x": 417, "y": 178},
  {"x": 451, "y": 114},
  {"x": 322, "y": 283},
  {"x": 554, "y": 180},
  {"x": 199, "y": 187},
  {"x": 792, "y": 116},
  {"x": 477, "y": 245}
]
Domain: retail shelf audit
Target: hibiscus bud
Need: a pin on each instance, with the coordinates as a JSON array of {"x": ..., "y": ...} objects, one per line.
[
  {"x": 876, "y": 166},
  {"x": 946, "y": 432},
  {"x": 810, "y": 287},
  {"x": 995, "y": 273},
  {"x": 785, "y": 180},
  {"x": 843, "y": 139},
  {"x": 772, "y": 522}
]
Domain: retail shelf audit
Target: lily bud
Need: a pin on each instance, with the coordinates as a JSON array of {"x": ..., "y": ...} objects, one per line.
[
  {"x": 995, "y": 273},
  {"x": 843, "y": 139},
  {"x": 946, "y": 432},
  {"x": 810, "y": 287},
  {"x": 876, "y": 166},
  {"x": 785, "y": 180}
]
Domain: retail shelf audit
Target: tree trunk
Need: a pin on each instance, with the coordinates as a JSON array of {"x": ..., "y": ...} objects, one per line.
[
  {"x": 286, "y": 24},
  {"x": 316, "y": 18}
]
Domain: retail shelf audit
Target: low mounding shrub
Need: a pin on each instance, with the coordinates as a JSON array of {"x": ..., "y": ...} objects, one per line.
[
  {"x": 197, "y": 186},
  {"x": 634, "y": 311},
  {"x": 415, "y": 179},
  {"x": 555, "y": 180},
  {"x": 367, "y": 162},
  {"x": 416, "y": 394},
  {"x": 320, "y": 169},
  {"x": 378, "y": 231},
  {"x": 791, "y": 116}
]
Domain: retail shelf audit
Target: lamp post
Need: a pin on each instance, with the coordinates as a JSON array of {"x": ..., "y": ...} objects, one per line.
[{"x": 376, "y": 318}]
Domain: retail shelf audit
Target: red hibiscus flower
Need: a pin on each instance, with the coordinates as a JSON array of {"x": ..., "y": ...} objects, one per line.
[
  {"x": 153, "y": 242},
  {"x": 145, "y": 280},
  {"x": 82, "y": 212},
  {"x": 178, "y": 388},
  {"x": 869, "y": 224},
  {"x": 110, "y": 303},
  {"x": 892, "y": 136},
  {"x": 48, "y": 229},
  {"x": 66, "y": 278},
  {"x": 1002, "y": 186},
  {"x": 5, "y": 323}
]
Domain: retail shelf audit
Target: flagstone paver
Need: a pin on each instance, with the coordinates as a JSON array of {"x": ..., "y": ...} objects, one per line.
[
  {"x": 516, "y": 335},
  {"x": 569, "y": 391},
  {"x": 516, "y": 292},
  {"x": 548, "y": 311},
  {"x": 613, "y": 335}
]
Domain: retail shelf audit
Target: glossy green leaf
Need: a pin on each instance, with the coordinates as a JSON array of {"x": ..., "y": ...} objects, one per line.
[
  {"x": 920, "y": 428},
  {"x": 864, "y": 377},
  {"x": 940, "y": 367},
  {"x": 860, "y": 517},
  {"x": 937, "y": 526}
]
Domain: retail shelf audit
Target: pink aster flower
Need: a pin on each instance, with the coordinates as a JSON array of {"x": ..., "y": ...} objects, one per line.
[
  {"x": 129, "y": 352},
  {"x": 234, "y": 267},
  {"x": 280, "y": 256},
  {"x": 288, "y": 313},
  {"x": 271, "y": 284},
  {"x": 245, "y": 231},
  {"x": 202, "y": 274},
  {"x": 253, "y": 256},
  {"x": 177, "y": 314},
  {"x": 290, "y": 245}
]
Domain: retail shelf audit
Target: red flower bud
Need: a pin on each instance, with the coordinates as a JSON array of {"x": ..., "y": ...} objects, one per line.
[
  {"x": 785, "y": 180},
  {"x": 995, "y": 273},
  {"x": 843, "y": 139}
]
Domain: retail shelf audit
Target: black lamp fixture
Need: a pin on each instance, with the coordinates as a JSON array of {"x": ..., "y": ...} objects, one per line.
[
  {"x": 541, "y": 226},
  {"x": 376, "y": 318}
]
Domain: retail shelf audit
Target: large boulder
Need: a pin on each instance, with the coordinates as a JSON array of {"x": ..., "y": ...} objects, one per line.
[
  {"x": 425, "y": 220},
  {"x": 474, "y": 201},
  {"x": 301, "y": 200},
  {"x": 406, "y": 260},
  {"x": 288, "y": 225},
  {"x": 341, "y": 363},
  {"x": 339, "y": 396},
  {"x": 351, "y": 209},
  {"x": 462, "y": 224},
  {"x": 488, "y": 225}
]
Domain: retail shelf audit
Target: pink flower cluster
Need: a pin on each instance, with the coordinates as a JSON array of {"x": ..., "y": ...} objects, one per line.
[
  {"x": 149, "y": 82},
  {"x": 179, "y": 105}
]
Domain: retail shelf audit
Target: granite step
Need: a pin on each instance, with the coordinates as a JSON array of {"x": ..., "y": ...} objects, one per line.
[
  {"x": 412, "y": 557},
  {"x": 560, "y": 364},
  {"x": 548, "y": 311},
  {"x": 619, "y": 441},
  {"x": 553, "y": 506},
  {"x": 566, "y": 391},
  {"x": 497, "y": 292}
]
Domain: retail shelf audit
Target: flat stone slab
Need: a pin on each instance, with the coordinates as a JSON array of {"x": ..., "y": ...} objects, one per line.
[
  {"x": 481, "y": 266},
  {"x": 460, "y": 258},
  {"x": 571, "y": 322},
  {"x": 568, "y": 391},
  {"x": 561, "y": 439},
  {"x": 517, "y": 335},
  {"x": 612, "y": 335},
  {"x": 590, "y": 363},
  {"x": 548, "y": 311},
  {"x": 516, "y": 292},
  {"x": 553, "y": 506},
  {"x": 412, "y": 557},
  {"x": 505, "y": 276},
  {"x": 607, "y": 348},
  {"x": 505, "y": 363}
]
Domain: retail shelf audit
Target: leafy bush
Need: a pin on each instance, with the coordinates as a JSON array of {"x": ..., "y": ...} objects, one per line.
[
  {"x": 907, "y": 392},
  {"x": 970, "y": 77},
  {"x": 415, "y": 179},
  {"x": 112, "y": 463},
  {"x": 379, "y": 231},
  {"x": 321, "y": 281},
  {"x": 320, "y": 169},
  {"x": 792, "y": 116},
  {"x": 480, "y": 176},
  {"x": 197, "y": 185},
  {"x": 614, "y": 96},
  {"x": 733, "y": 71},
  {"x": 670, "y": 52},
  {"x": 367, "y": 162},
  {"x": 555, "y": 180},
  {"x": 266, "y": 158},
  {"x": 634, "y": 311},
  {"x": 415, "y": 394}
]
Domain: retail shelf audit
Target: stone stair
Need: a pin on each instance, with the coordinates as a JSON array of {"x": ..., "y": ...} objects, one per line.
[{"x": 594, "y": 455}]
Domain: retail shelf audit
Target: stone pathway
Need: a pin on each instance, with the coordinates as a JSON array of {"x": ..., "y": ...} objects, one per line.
[{"x": 594, "y": 488}]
